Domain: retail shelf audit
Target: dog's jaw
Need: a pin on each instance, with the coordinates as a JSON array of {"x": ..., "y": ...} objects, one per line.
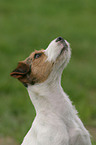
[{"x": 59, "y": 53}]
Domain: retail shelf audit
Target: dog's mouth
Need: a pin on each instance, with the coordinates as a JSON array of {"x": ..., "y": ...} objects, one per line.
[{"x": 64, "y": 48}]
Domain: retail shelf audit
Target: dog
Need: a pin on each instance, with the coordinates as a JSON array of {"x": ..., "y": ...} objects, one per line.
[{"x": 56, "y": 121}]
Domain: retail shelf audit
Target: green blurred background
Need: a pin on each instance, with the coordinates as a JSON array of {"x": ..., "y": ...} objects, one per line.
[{"x": 26, "y": 25}]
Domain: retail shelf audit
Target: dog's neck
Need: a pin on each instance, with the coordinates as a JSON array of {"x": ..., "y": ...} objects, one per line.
[{"x": 50, "y": 97}]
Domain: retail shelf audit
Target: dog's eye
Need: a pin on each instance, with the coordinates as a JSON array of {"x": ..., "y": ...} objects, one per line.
[{"x": 37, "y": 55}]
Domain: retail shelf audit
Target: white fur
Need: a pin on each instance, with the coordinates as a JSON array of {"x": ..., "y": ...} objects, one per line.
[{"x": 56, "y": 121}]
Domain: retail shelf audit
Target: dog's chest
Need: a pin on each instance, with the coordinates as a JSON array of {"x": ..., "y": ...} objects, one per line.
[{"x": 46, "y": 132}]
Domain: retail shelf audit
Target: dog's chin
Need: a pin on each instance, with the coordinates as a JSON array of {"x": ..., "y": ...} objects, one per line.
[{"x": 63, "y": 59}]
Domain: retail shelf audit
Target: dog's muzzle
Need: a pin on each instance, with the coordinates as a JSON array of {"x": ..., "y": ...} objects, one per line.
[{"x": 61, "y": 40}]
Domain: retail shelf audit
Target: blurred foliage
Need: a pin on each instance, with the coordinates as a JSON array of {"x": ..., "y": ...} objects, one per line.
[{"x": 29, "y": 25}]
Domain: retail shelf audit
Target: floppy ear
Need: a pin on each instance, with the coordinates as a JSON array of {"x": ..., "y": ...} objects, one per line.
[{"x": 21, "y": 71}]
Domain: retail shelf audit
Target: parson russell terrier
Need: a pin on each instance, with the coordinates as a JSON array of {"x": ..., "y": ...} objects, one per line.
[{"x": 56, "y": 121}]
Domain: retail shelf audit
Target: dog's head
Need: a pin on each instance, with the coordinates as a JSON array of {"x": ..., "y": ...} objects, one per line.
[{"x": 41, "y": 64}]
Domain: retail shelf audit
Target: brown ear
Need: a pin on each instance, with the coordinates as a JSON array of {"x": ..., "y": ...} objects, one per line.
[{"x": 21, "y": 70}]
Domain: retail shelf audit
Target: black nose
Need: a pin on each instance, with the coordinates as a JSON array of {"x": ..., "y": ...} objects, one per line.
[{"x": 59, "y": 39}]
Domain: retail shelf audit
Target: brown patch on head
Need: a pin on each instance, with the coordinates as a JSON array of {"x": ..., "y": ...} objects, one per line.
[{"x": 34, "y": 69}]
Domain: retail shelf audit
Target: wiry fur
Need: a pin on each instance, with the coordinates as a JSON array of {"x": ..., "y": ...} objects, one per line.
[{"x": 56, "y": 121}]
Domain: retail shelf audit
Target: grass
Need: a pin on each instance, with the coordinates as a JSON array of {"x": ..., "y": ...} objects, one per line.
[{"x": 29, "y": 25}]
